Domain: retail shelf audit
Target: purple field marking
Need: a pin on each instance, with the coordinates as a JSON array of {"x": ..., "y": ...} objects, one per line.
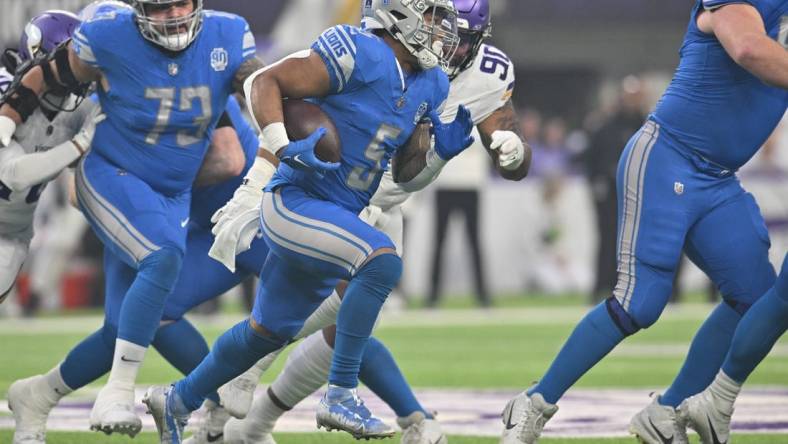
[{"x": 583, "y": 413}]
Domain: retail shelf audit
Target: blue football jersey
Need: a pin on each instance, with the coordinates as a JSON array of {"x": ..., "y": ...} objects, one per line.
[
  {"x": 715, "y": 107},
  {"x": 375, "y": 107},
  {"x": 161, "y": 107},
  {"x": 206, "y": 200}
]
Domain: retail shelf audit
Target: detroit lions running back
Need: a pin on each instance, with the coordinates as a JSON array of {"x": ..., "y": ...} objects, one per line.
[
  {"x": 677, "y": 189},
  {"x": 482, "y": 79}
]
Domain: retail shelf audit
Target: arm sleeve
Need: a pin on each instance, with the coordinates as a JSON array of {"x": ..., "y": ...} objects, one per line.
[
  {"x": 427, "y": 175},
  {"x": 20, "y": 171},
  {"x": 336, "y": 46}
]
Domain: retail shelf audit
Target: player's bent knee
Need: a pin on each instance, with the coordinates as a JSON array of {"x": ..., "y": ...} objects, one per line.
[
  {"x": 162, "y": 267},
  {"x": 384, "y": 267},
  {"x": 625, "y": 322},
  {"x": 260, "y": 337},
  {"x": 781, "y": 284}
]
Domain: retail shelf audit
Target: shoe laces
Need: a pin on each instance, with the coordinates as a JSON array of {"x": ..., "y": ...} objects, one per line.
[{"x": 531, "y": 415}]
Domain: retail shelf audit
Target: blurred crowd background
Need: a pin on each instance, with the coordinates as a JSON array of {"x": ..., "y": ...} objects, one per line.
[{"x": 587, "y": 75}]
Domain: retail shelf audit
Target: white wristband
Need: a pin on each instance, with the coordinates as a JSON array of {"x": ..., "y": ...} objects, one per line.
[
  {"x": 274, "y": 137},
  {"x": 260, "y": 173}
]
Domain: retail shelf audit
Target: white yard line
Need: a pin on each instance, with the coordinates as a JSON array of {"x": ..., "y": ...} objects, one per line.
[{"x": 583, "y": 413}]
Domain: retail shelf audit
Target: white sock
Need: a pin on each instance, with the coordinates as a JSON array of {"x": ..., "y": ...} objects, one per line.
[
  {"x": 56, "y": 387},
  {"x": 304, "y": 373},
  {"x": 126, "y": 363},
  {"x": 324, "y": 316},
  {"x": 725, "y": 389}
]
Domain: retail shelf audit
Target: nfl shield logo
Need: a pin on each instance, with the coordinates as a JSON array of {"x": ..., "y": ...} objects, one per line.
[
  {"x": 678, "y": 188},
  {"x": 219, "y": 59},
  {"x": 172, "y": 69}
]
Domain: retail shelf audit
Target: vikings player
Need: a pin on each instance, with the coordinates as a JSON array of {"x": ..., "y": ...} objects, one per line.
[{"x": 54, "y": 137}]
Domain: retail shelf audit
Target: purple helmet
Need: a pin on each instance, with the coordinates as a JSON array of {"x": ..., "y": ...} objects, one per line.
[
  {"x": 45, "y": 32},
  {"x": 473, "y": 25}
]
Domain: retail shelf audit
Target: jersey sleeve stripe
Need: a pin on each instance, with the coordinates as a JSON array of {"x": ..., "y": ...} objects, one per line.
[
  {"x": 249, "y": 41},
  {"x": 83, "y": 50},
  {"x": 341, "y": 54},
  {"x": 343, "y": 34},
  {"x": 328, "y": 55}
]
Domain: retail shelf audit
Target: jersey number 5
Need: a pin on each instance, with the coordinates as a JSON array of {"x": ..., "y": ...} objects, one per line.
[
  {"x": 361, "y": 178},
  {"x": 166, "y": 98}
]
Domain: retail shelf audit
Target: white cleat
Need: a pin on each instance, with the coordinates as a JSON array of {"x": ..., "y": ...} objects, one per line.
[
  {"x": 236, "y": 432},
  {"x": 524, "y": 418},
  {"x": 708, "y": 416},
  {"x": 237, "y": 395},
  {"x": 659, "y": 424},
  {"x": 31, "y": 408},
  {"x": 113, "y": 412},
  {"x": 417, "y": 429},
  {"x": 212, "y": 428}
]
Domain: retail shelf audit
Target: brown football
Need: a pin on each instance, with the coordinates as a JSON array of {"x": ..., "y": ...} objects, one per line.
[{"x": 302, "y": 118}]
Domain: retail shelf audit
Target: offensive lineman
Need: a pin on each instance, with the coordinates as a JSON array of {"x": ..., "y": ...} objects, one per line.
[{"x": 677, "y": 189}]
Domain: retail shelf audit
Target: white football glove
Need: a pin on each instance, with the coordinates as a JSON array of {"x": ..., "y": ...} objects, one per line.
[
  {"x": 510, "y": 149},
  {"x": 7, "y": 130},
  {"x": 237, "y": 223},
  {"x": 84, "y": 137},
  {"x": 236, "y": 237}
]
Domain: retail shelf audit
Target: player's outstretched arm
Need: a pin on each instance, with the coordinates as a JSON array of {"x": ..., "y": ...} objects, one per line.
[
  {"x": 505, "y": 143},
  {"x": 23, "y": 100},
  {"x": 740, "y": 29}
]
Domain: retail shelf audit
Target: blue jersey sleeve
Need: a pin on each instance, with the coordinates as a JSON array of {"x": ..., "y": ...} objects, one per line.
[
  {"x": 351, "y": 57},
  {"x": 94, "y": 37},
  {"x": 232, "y": 37}
]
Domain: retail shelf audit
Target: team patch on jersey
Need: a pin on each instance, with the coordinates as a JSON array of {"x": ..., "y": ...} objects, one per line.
[{"x": 219, "y": 59}]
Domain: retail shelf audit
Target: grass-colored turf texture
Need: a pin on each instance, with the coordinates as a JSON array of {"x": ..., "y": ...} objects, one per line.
[{"x": 506, "y": 347}]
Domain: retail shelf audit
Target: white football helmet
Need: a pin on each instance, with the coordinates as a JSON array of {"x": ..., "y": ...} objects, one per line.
[
  {"x": 168, "y": 33},
  {"x": 427, "y": 28}
]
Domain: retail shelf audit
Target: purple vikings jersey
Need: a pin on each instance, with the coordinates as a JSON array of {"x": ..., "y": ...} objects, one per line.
[
  {"x": 161, "y": 107},
  {"x": 375, "y": 108},
  {"x": 714, "y": 107}
]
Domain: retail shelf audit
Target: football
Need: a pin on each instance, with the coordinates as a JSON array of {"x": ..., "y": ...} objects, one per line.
[{"x": 302, "y": 118}]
